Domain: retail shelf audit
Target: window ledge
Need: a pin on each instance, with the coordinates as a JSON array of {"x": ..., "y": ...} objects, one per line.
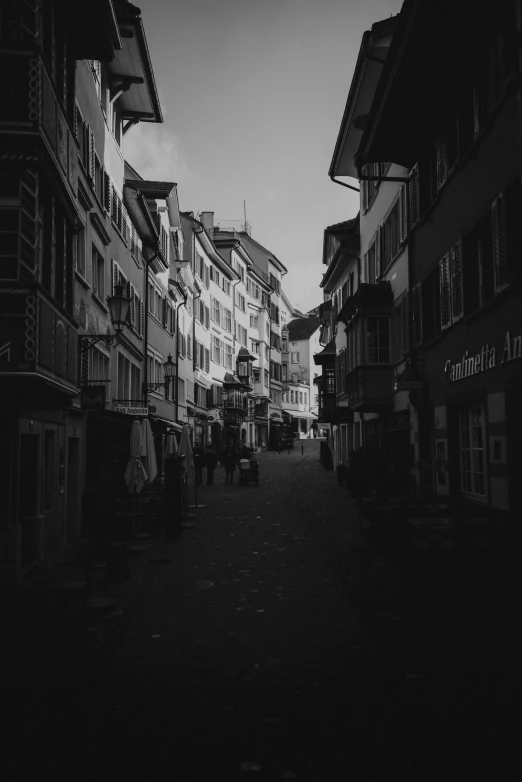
[
  {"x": 100, "y": 303},
  {"x": 81, "y": 279}
]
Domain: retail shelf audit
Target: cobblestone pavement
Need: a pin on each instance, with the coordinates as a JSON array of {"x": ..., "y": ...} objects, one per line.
[{"x": 269, "y": 643}]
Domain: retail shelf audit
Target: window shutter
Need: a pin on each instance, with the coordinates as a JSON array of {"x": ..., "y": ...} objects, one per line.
[
  {"x": 403, "y": 214},
  {"x": 207, "y": 360},
  {"x": 378, "y": 253},
  {"x": 133, "y": 307},
  {"x": 456, "y": 281},
  {"x": 365, "y": 275},
  {"x": 124, "y": 223},
  {"x": 499, "y": 241},
  {"x": 442, "y": 170},
  {"x": 414, "y": 197},
  {"x": 91, "y": 155},
  {"x": 120, "y": 215},
  {"x": 445, "y": 292},
  {"x": 106, "y": 192},
  {"x": 115, "y": 276},
  {"x": 189, "y": 346},
  {"x": 142, "y": 318}
]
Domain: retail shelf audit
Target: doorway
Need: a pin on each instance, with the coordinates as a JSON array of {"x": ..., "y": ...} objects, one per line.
[{"x": 28, "y": 500}]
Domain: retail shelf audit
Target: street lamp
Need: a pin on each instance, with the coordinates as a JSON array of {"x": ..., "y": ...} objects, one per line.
[
  {"x": 169, "y": 368},
  {"x": 118, "y": 305}
]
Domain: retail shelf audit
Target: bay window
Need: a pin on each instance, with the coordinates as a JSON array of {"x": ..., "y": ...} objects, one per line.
[{"x": 378, "y": 340}]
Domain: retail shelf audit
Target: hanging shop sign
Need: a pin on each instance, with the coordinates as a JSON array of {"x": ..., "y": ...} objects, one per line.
[
  {"x": 483, "y": 361},
  {"x": 132, "y": 410}
]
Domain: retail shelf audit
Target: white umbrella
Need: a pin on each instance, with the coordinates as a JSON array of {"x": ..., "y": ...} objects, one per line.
[
  {"x": 149, "y": 459},
  {"x": 135, "y": 475},
  {"x": 185, "y": 449},
  {"x": 171, "y": 445}
]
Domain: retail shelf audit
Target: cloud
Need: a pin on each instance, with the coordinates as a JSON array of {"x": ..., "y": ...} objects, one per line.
[{"x": 155, "y": 152}]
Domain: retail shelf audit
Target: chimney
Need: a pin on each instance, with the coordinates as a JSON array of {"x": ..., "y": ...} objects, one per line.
[{"x": 207, "y": 218}]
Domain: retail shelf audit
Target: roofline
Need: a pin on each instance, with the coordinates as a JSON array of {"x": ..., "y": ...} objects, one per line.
[
  {"x": 213, "y": 254},
  {"x": 361, "y": 59},
  {"x": 406, "y": 19},
  {"x": 269, "y": 252},
  {"x": 131, "y": 14},
  {"x": 354, "y": 86}
]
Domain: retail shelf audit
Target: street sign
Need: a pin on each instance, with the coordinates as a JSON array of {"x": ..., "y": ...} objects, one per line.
[{"x": 132, "y": 410}]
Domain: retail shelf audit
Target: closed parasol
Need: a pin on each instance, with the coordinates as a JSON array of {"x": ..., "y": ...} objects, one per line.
[
  {"x": 149, "y": 459},
  {"x": 185, "y": 449},
  {"x": 171, "y": 445},
  {"x": 135, "y": 474}
]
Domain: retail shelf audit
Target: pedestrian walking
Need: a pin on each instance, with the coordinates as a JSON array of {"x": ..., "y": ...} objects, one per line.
[
  {"x": 211, "y": 459},
  {"x": 198, "y": 455},
  {"x": 229, "y": 460}
]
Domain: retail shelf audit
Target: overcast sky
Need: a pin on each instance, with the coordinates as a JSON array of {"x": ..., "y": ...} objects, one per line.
[{"x": 252, "y": 94}]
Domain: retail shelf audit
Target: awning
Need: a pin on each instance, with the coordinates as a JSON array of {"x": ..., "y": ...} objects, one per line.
[
  {"x": 300, "y": 414},
  {"x": 172, "y": 424}
]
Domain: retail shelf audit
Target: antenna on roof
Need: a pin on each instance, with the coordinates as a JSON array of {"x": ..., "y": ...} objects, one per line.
[{"x": 244, "y": 211}]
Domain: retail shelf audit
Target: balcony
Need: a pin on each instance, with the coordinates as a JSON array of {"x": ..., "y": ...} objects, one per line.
[
  {"x": 327, "y": 409},
  {"x": 370, "y": 388},
  {"x": 30, "y": 110},
  {"x": 39, "y": 343}
]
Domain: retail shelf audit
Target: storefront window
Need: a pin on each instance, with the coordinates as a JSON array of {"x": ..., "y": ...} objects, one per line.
[{"x": 472, "y": 450}]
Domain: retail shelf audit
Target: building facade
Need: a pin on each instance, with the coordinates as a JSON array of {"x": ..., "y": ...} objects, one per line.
[
  {"x": 464, "y": 365},
  {"x": 300, "y": 341}
]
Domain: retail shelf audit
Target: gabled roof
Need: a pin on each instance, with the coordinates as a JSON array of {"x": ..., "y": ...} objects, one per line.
[{"x": 302, "y": 328}]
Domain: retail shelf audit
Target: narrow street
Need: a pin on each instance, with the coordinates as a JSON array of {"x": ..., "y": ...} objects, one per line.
[{"x": 238, "y": 650}]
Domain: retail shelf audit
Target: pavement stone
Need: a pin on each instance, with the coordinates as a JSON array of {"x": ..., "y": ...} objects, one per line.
[{"x": 271, "y": 641}]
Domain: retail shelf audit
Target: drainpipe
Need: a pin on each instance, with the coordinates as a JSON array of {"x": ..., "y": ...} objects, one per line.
[
  {"x": 343, "y": 184},
  {"x": 148, "y": 262}
]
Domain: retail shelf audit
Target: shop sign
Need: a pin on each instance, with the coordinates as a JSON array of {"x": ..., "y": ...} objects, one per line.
[
  {"x": 483, "y": 361},
  {"x": 132, "y": 410}
]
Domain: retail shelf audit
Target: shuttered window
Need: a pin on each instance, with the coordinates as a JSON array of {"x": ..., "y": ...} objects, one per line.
[
  {"x": 499, "y": 242},
  {"x": 403, "y": 213},
  {"x": 456, "y": 281},
  {"x": 445, "y": 292},
  {"x": 413, "y": 205}
]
